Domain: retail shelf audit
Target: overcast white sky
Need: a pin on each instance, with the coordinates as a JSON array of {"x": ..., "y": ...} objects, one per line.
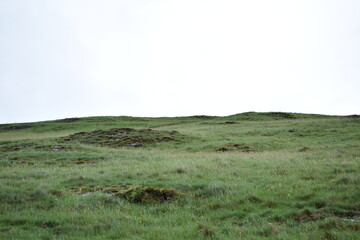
[{"x": 74, "y": 58}]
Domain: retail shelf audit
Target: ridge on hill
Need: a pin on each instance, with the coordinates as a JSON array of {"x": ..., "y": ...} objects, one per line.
[
  {"x": 275, "y": 115},
  {"x": 239, "y": 116}
]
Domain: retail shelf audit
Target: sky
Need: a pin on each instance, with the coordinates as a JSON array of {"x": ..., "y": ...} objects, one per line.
[{"x": 77, "y": 58}]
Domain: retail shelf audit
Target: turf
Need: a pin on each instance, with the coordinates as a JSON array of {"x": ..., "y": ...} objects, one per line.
[{"x": 245, "y": 176}]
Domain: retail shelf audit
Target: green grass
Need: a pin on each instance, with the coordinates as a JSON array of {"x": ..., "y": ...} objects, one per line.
[{"x": 245, "y": 176}]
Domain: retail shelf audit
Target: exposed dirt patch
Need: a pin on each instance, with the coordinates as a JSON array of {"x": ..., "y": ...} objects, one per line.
[
  {"x": 222, "y": 149},
  {"x": 180, "y": 171},
  {"x": 125, "y": 137},
  {"x": 307, "y": 215},
  {"x": 304, "y": 149},
  {"x": 57, "y": 148},
  {"x": 206, "y": 231},
  {"x": 242, "y": 147},
  {"x": 52, "y": 147},
  {"x": 13, "y": 146},
  {"x": 229, "y": 122},
  {"x": 17, "y": 160},
  {"x": 133, "y": 193},
  {"x": 235, "y": 147},
  {"x": 83, "y": 161}
]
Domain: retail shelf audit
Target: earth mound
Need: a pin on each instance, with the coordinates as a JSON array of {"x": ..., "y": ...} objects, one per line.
[
  {"x": 125, "y": 137},
  {"x": 134, "y": 193}
]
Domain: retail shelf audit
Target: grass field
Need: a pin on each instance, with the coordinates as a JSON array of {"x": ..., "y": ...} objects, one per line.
[{"x": 245, "y": 176}]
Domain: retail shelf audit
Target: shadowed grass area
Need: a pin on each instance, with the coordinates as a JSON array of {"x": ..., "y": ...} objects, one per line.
[{"x": 246, "y": 176}]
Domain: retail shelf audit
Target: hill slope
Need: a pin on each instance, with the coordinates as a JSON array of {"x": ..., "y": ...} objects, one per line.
[{"x": 250, "y": 175}]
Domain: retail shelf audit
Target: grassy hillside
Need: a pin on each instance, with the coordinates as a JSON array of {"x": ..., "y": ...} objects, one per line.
[{"x": 245, "y": 176}]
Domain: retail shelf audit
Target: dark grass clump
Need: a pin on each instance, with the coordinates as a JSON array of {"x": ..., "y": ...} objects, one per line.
[
  {"x": 10, "y": 127},
  {"x": 28, "y": 145},
  {"x": 134, "y": 193},
  {"x": 236, "y": 147},
  {"x": 206, "y": 231},
  {"x": 68, "y": 120},
  {"x": 15, "y": 146},
  {"x": 139, "y": 194},
  {"x": 280, "y": 115}
]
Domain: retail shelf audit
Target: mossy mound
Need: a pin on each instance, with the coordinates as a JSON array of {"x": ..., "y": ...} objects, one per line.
[
  {"x": 263, "y": 116},
  {"x": 12, "y": 146},
  {"x": 134, "y": 193},
  {"x": 236, "y": 147},
  {"x": 139, "y": 194},
  {"x": 124, "y": 137},
  {"x": 68, "y": 120}
]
